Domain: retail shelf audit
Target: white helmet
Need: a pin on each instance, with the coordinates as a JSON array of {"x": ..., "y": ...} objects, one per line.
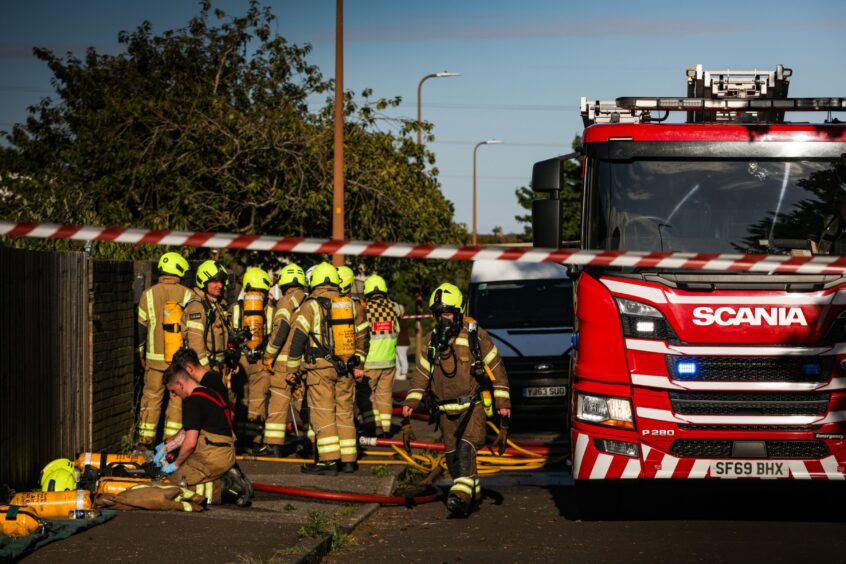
[{"x": 308, "y": 275}]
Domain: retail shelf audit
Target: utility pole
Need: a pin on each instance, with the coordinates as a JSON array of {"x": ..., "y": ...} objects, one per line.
[{"x": 338, "y": 162}]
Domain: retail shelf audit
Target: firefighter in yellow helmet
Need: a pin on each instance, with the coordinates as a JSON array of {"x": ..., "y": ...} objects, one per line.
[
  {"x": 252, "y": 312},
  {"x": 291, "y": 284},
  {"x": 159, "y": 337},
  {"x": 205, "y": 323},
  {"x": 463, "y": 379},
  {"x": 374, "y": 394},
  {"x": 329, "y": 347}
]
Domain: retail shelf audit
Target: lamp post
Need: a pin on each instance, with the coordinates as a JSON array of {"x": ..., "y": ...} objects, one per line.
[
  {"x": 338, "y": 158},
  {"x": 476, "y": 148},
  {"x": 419, "y": 91}
]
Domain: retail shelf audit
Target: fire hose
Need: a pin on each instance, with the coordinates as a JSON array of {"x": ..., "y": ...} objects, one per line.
[{"x": 351, "y": 497}]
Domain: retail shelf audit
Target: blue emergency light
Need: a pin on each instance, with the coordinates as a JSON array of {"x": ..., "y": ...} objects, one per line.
[{"x": 686, "y": 368}]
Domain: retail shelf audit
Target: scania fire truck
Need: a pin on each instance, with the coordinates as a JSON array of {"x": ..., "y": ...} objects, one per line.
[{"x": 682, "y": 373}]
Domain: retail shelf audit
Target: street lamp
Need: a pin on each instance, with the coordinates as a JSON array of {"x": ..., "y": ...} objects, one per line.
[
  {"x": 476, "y": 148},
  {"x": 419, "y": 90}
]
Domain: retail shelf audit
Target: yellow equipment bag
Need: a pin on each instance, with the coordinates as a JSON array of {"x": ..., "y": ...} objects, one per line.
[
  {"x": 18, "y": 521},
  {"x": 342, "y": 324},
  {"x": 117, "y": 485},
  {"x": 172, "y": 330},
  {"x": 53, "y": 505},
  {"x": 101, "y": 459},
  {"x": 253, "y": 318}
]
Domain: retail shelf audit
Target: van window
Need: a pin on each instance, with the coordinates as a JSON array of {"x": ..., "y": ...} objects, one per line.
[{"x": 522, "y": 303}]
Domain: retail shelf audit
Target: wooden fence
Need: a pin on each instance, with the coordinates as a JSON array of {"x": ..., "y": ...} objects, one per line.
[{"x": 66, "y": 358}]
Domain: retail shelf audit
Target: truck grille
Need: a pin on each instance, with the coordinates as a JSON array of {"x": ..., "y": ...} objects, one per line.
[
  {"x": 749, "y": 403},
  {"x": 780, "y": 428},
  {"x": 697, "y": 448},
  {"x": 752, "y": 369}
]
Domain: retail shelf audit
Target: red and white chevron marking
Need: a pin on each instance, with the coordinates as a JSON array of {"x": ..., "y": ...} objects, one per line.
[
  {"x": 589, "y": 463},
  {"x": 697, "y": 261}
]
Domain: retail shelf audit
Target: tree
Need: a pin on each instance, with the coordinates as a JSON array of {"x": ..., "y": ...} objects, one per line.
[
  {"x": 207, "y": 127},
  {"x": 571, "y": 200}
]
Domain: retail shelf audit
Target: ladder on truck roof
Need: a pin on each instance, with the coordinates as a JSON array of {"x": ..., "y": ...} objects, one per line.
[{"x": 721, "y": 96}]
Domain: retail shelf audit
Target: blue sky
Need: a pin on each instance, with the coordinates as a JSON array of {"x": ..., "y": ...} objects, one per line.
[{"x": 524, "y": 64}]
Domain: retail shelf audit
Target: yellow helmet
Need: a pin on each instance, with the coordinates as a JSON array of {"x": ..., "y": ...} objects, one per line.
[
  {"x": 58, "y": 464},
  {"x": 345, "y": 279},
  {"x": 174, "y": 264},
  {"x": 59, "y": 480},
  {"x": 211, "y": 270},
  {"x": 291, "y": 275},
  {"x": 324, "y": 273},
  {"x": 446, "y": 297},
  {"x": 256, "y": 279},
  {"x": 375, "y": 283}
]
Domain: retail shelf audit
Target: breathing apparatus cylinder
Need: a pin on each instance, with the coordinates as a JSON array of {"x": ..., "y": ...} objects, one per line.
[
  {"x": 117, "y": 485},
  {"x": 172, "y": 330},
  {"x": 53, "y": 505},
  {"x": 342, "y": 324},
  {"x": 254, "y": 318},
  {"x": 101, "y": 460},
  {"x": 17, "y": 521}
]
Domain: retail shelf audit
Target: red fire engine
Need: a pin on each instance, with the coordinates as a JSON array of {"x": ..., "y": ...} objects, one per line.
[{"x": 693, "y": 374}]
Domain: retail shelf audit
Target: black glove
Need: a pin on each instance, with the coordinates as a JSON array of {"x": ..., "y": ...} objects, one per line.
[
  {"x": 231, "y": 357},
  {"x": 501, "y": 440}
]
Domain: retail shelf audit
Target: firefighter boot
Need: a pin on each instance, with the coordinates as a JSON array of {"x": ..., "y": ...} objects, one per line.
[
  {"x": 329, "y": 468},
  {"x": 237, "y": 488}
]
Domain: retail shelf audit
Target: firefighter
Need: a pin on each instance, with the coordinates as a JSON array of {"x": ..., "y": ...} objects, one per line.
[
  {"x": 463, "y": 379},
  {"x": 327, "y": 345},
  {"x": 160, "y": 336},
  {"x": 253, "y": 311},
  {"x": 207, "y": 447},
  {"x": 374, "y": 394},
  {"x": 205, "y": 324},
  {"x": 291, "y": 284}
]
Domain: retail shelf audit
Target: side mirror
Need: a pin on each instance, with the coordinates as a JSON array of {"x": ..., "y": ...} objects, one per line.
[{"x": 548, "y": 176}]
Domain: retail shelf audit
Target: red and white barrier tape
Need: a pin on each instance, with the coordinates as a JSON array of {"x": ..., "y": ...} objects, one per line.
[
  {"x": 694, "y": 261},
  {"x": 422, "y": 316}
]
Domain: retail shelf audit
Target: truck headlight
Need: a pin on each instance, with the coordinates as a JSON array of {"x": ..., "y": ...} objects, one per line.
[
  {"x": 642, "y": 321},
  {"x": 602, "y": 410}
]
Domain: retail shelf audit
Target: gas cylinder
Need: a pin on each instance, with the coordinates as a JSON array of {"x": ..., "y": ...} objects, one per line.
[
  {"x": 117, "y": 485},
  {"x": 17, "y": 521},
  {"x": 172, "y": 329},
  {"x": 254, "y": 318},
  {"x": 103, "y": 459},
  {"x": 53, "y": 505}
]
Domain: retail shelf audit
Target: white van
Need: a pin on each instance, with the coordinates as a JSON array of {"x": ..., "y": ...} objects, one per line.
[{"x": 528, "y": 310}]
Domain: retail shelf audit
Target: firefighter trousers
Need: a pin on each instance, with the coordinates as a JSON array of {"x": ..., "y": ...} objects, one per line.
[
  {"x": 151, "y": 408},
  {"x": 375, "y": 401},
  {"x": 460, "y": 452},
  {"x": 278, "y": 408},
  {"x": 213, "y": 456},
  {"x": 251, "y": 401},
  {"x": 331, "y": 401}
]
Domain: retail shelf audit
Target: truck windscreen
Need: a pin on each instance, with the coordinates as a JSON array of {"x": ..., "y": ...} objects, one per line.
[
  {"x": 523, "y": 303},
  {"x": 731, "y": 206}
]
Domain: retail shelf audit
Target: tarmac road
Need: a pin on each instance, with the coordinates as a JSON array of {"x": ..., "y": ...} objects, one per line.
[{"x": 537, "y": 518}]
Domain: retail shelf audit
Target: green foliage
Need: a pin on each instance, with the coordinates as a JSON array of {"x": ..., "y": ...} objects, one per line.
[
  {"x": 207, "y": 127},
  {"x": 571, "y": 201},
  {"x": 342, "y": 540},
  {"x": 381, "y": 471},
  {"x": 316, "y": 524}
]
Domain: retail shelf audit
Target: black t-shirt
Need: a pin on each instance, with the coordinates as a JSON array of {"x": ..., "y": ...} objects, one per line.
[
  {"x": 212, "y": 379},
  {"x": 199, "y": 413}
]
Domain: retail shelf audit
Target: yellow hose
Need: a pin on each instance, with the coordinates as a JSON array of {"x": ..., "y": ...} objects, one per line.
[{"x": 486, "y": 464}]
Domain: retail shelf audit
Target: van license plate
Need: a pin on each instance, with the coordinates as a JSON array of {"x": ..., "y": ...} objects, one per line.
[
  {"x": 749, "y": 469},
  {"x": 545, "y": 392}
]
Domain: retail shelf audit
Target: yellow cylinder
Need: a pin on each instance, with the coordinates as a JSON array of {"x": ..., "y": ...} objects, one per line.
[
  {"x": 172, "y": 330},
  {"x": 53, "y": 505},
  {"x": 22, "y": 524},
  {"x": 254, "y": 318},
  {"x": 342, "y": 321},
  {"x": 117, "y": 485},
  {"x": 95, "y": 459}
]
